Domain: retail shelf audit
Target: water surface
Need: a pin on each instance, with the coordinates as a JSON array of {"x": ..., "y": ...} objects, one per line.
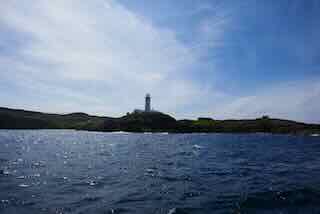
[{"x": 63, "y": 171}]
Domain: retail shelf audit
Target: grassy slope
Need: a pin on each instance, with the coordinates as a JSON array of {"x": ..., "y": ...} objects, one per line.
[
  {"x": 254, "y": 125},
  {"x": 144, "y": 122},
  {"x": 13, "y": 118}
]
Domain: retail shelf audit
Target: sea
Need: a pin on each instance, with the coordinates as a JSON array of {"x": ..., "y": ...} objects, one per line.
[{"x": 68, "y": 171}]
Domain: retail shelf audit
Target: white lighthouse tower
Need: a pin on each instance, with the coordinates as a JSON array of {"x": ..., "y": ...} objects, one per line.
[{"x": 148, "y": 103}]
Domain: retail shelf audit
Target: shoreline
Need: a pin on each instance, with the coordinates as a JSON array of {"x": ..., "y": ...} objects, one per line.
[
  {"x": 166, "y": 133},
  {"x": 150, "y": 122}
]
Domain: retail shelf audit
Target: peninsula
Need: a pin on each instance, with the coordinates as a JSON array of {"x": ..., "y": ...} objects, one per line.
[{"x": 148, "y": 121}]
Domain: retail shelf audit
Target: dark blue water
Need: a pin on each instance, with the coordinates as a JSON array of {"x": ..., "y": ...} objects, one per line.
[{"x": 86, "y": 172}]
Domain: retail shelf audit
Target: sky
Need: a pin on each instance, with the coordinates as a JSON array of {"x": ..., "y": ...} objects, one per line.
[{"x": 210, "y": 58}]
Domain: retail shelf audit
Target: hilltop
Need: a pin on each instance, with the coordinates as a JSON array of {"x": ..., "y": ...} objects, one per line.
[
  {"x": 22, "y": 119},
  {"x": 141, "y": 122},
  {"x": 147, "y": 122}
]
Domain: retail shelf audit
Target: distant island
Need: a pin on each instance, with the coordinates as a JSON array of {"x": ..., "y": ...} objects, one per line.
[{"x": 148, "y": 121}]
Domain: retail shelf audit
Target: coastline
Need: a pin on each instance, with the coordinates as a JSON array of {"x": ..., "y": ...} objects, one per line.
[{"x": 150, "y": 122}]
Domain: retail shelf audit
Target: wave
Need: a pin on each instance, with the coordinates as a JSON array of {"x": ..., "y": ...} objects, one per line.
[{"x": 277, "y": 200}]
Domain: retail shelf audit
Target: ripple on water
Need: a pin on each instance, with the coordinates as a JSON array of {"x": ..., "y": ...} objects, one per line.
[
  {"x": 23, "y": 185},
  {"x": 196, "y": 146},
  {"x": 159, "y": 174},
  {"x": 276, "y": 199},
  {"x": 119, "y": 210},
  {"x": 87, "y": 199},
  {"x": 188, "y": 195},
  {"x": 39, "y": 164},
  {"x": 92, "y": 183},
  {"x": 5, "y": 172},
  {"x": 172, "y": 211},
  {"x": 2, "y": 160},
  {"x": 36, "y": 175},
  {"x": 185, "y": 210},
  {"x": 150, "y": 172}
]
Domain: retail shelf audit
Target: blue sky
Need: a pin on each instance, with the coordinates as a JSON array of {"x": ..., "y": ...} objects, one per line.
[{"x": 222, "y": 59}]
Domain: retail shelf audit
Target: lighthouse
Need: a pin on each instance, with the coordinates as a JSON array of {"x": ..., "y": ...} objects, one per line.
[{"x": 148, "y": 103}]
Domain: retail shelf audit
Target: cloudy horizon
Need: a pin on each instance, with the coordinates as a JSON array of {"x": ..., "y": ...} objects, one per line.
[{"x": 219, "y": 59}]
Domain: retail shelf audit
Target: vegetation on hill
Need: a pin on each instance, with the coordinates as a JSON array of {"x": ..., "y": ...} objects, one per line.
[
  {"x": 141, "y": 122},
  {"x": 239, "y": 126},
  {"x": 147, "y": 122},
  {"x": 21, "y": 119}
]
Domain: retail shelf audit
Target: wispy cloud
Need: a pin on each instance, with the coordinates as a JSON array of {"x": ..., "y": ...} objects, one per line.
[
  {"x": 212, "y": 28},
  {"x": 119, "y": 54},
  {"x": 100, "y": 57},
  {"x": 298, "y": 100}
]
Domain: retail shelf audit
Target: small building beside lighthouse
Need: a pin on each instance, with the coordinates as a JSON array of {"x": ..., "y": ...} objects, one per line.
[{"x": 147, "y": 107}]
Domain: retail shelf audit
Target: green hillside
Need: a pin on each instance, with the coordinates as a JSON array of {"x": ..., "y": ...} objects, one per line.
[
  {"x": 21, "y": 119},
  {"x": 147, "y": 122}
]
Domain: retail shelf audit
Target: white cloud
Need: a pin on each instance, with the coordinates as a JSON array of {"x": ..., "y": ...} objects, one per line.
[
  {"x": 294, "y": 100},
  {"x": 101, "y": 58},
  {"x": 119, "y": 54}
]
